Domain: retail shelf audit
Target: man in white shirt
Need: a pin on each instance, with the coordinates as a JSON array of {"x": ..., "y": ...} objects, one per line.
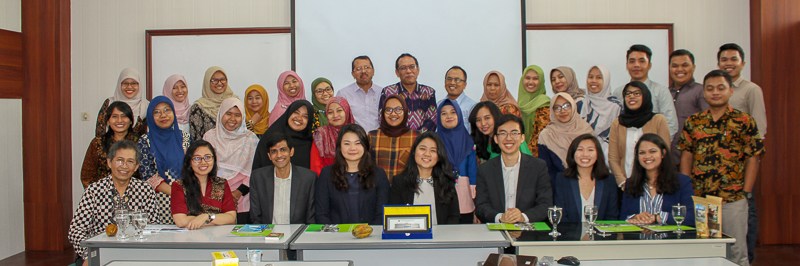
[
  {"x": 363, "y": 95},
  {"x": 455, "y": 80}
]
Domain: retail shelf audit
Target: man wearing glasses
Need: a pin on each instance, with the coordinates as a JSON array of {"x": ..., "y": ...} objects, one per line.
[
  {"x": 363, "y": 95},
  {"x": 420, "y": 99},
  {"x": 455, "y": 80}
]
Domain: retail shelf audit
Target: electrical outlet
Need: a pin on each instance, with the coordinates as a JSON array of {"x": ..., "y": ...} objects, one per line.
[{"x": 85, "y": 116}]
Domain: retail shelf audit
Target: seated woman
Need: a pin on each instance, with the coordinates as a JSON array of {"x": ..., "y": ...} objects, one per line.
[
  {"x": 565, "y": 125},
  {"x": 600, "y": 108},
  {"x": 200, "y": 198},
  {"x": 460, "y": 150},
  {"x": 390, "y": 143},
  {"x": 586, "y": 181},
  {"x": 338, "y": 114},
  {"x": 295, "y": 123},
  {"x": 494, "y": 90},
  {"x": 175, "y": 89},
  {"x": 322, "y": 91},
  {"x": 290, "y": 89},
  {"x": 534, "y": 104},
  {"x": 257, "y": 109},
  {"x": 563, "y": 79},
  {"x": 127, "y": 91},
  {"x": 119, "y": 121},
  {"x": 655, "y": 186},
  {"x": 428, "y": 180},
  {"x": 203, "y": 113},
  {"x": 481, "y": 119},
  {"x": 352, "y": 189}
]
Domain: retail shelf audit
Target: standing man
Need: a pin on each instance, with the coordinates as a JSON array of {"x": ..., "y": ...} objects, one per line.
[
  {"x": 638, "y": 65},
  {"x": 455, "y": 80},
  {"x": 720, "y": 151},
  {"x": 363, "y": 95},
  {"x": 687, "y": 94},
  {"x": 420, "y": 99}
]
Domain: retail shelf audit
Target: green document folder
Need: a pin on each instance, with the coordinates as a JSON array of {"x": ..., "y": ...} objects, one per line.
[
  {"x": 540, "y": 226},
  {"x": 342, "y": 228}
]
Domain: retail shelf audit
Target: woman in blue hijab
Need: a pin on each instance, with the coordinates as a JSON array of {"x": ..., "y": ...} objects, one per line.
[{"x": 461, "y": 151}]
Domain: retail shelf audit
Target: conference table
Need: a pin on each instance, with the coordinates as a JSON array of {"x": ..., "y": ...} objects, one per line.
[
  {"x": 656, "y": 262},
  {"x": 241, "y": 262}
]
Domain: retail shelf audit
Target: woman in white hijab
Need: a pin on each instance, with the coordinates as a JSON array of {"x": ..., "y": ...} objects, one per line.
[
  {"x": 600, "y": 108},
  {"x": 128, "y": 92}
]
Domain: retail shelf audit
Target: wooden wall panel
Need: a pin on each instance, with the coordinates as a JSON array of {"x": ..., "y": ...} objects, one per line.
[{"x": 10, "y": 64}]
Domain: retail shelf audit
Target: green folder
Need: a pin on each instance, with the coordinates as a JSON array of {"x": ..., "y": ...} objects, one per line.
[
  {"x": 610, "y": 222},
  {"x": 342, "y": 228},
  {"x": 540, "y": 226},
  {"x": 252, "y": 230},
  {"x": 666, "y": 228},
  {"x": 618, "y": 228}
]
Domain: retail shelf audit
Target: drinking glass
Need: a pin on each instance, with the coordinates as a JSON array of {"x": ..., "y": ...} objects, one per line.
[
  {"x": 123, "y": 219},
  {"x": 554, "y": 214},
  {"x": 590, "y": 213},
  {"x": 140, "y": 220},
  {"x": 253, "y": 257},
  {"x": 678, "y": 213}
]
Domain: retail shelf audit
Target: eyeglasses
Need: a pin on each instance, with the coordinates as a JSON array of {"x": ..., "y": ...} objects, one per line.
[
  {"x": 566, "y": 107},
  {"x": 282, "y": 150},
  {"x": 513, "y": 134},
  {"x": 165, "y": 111},
  {"x": 130, "y": 84},
  {"x": 410, "y": 67},
  {"x": 457, "y": 80},
  {"x": 325, "y": 90},
  {"x": 215, "y": 81},
  {"x": 633, "y": 93},
  {"x": 120, "y": 162},
  {"x": 207, "y": 158},
  {"x": 396, "y": 110},
  {"x": 365, "y": 68}
]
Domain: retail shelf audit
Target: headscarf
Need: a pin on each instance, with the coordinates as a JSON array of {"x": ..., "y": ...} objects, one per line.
[
  {"x": 572, "y": 88},
  {"x": 457, "y": 141},
  {"x": 325, "y": 137},
  {"x": 181, "y": 108},
  {"x": 284, "y": 100},
  {"x": 504, "y": 97},
  {"x": 557, "y": 136},
  {"x": 235, "y": 149},
  {"x": 402, "y": 128},
  {"x": 301, "y": 141},
  {"x": 260, "y": 127},
  {"x": 210, "y": 101},
  {"x": 166, "y": 145},
  {"x": 637, "y": 118},
  {"x": 529, "y": 102},
  {"x": 598, "y": 110},
  {"x": 320, "y": 108},
  {"x": 138, "y": 104}
]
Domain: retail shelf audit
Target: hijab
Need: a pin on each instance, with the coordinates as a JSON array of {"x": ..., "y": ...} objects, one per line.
[
  {"x": 457, "y": 141},
  {"x": 166, "y": 145},
  {"x": 637, "y": 118},
  {"x": 504, "y": 97},
  {"x": 137, "y": 103},
  {"x": 402, "y": 128},
  {"x": 211, "y": 101},
  {"x": 320, "y": 108},
  {"x": 325, "y": 137},
  {"x": 260, "y": 127},
  {"x": 284, "y": 100},
  {"x": 529, "y": 102},
  {"x": 301, "y": 140},
  {"x": 572, "y": 88},
  {"x": 181, "y": 108},
  {"x": 235, "y": 149},
  {"x": 557, "y": 136},
  {"x": 598, "y": 110}
]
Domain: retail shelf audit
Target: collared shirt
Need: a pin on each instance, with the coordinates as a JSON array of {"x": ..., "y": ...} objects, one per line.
[
  {"x": 510, "y": 180},
  {"x": 364, "y": 105},
  {"x": 688, "y": 100},
  {"x": 466, "y": 103},
  {"x": 748, "y": 97},
  {"x": 651, "y": 204},
  {"x": 281, "y": 199},
  {"x": 421, "y": 104},
  {"x": 662, "y": 103},
  {"x": 721, "y": 149}
]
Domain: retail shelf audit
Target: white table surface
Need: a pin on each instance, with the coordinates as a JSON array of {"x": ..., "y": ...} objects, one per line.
[
  {"x": 444, "y": 236},
  {"x": 243, "y": 263},
  {"x": 661, "y": 262},
  {"x": 209, "y": 237}
]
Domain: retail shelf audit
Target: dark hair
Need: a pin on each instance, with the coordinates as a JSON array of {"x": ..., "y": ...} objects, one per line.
[
  {"x": 636, "y": 84},
  {"x": 640, "y": 48},
  {"x": 366, "y": 166},
  {"x": 397, "y": 62},
  {"x": 730, "y": 46},
  {"x": 681, "y": 52},
  {"x": 274, "y": 139},
  {"x": 444, "y": 179},
  {"x": 189, "y": 181},
  {"x": 667, "y": 182},
  {"x": 503, "y": 119},
  {"x": 482, "y": 142},
  {"x": 718, "y": 73},
  {"x": 108, "y": 137},
  {"x": 459, "y": 68},
  {"x": 361, "y": 57},
  {"x": 124, "y": 145},
  {"x": 599, "y": 169}
]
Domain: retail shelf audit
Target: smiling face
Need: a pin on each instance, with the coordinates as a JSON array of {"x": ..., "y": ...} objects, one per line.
[
  {"x": 506, "y": 139},
  {"x": 254, "y": 101},
  {"x": 408, "y": 76},
  {"x": 281, "y": 155},
  {"x": 449, "y": 116},
  {"x": 425, "y": 154},
  {"x": 564, "y": 114},
  {"x": 531, "y": 81},
  {"x": 559, "y": 81},
  {"x": 493, "y": 87},
  {"x": 393, "y": 118},
  {"x": 232, "y": 119},
  {"x": 323, "y": 92},
  {"x": 123, "y": 165},
  {"x": 179, "y": 91},
  {"x": 352, "y": 148},
  {"x": 163, "y": 115},
  {"x": 649, "y": 155},
  {"x": 363, "y": 71},
  {"x": 681, "y": 70},
  {"x": 119, "y": 122},
  {"x": 717, "y": 91},
  {"x": 731, "y": 61},
  {"x": 336, "y": 114},
  {"x": 633, "y": 98},
  {"x": 200, "y": 167},
  {"x": 218, "y": 82},
  {"x": 129, "y": 87},
  {"x": 291, "y": 86},
  {"x": 594, "y": 81},
  {"x": 299, "y": 119},
  {"x": 485, "y": 121},
  {"x": 586, "y": 154},
  {"x": 451, "y": 82},
  {"x": 638, "y": 65}
]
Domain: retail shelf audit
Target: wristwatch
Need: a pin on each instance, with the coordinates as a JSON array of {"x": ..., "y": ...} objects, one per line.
[
  {"x": 749, "y": 195},
  {"x": 211, "y": 217}
]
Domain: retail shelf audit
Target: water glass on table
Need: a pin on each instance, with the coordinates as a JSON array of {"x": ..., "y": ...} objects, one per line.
[
  {"x": 140, "y": 220},
  {"x": 678, "y": 213},
  {"x": 554, "y": 214},
  {"x": 123, "y": 219},
  {"x": 590, "y": 213}
]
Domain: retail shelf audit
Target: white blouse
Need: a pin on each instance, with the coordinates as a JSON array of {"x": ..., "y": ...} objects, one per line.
[{"x": 426, "y": 196}]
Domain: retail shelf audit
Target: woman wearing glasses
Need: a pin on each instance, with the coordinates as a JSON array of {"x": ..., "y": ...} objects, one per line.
[
  {"x": 534, "y": 105},
  {"x": 339, "y": 114},
  {"x": 290, "y": 89},
  {"x": 638, "y": 119},
  {"x": 390, "y": 144},
  {"x": 494, "y": 90},
  {"x": 200, "y": 198},
  {"x": 565, "y": 125},
  {"x": 119, "y": 120},
  {"x": 128, "y": 92},
  {"x": 203, "y": 114},
  {"x": 322, "y": 90}
]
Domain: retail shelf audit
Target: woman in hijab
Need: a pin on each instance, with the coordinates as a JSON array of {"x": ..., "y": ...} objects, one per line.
[
  {"x": 338, "y": 114},
  {"x": 637, "y": 119},
  {"x": 494, "y": 90},
  {"x": 295, "y": 123},
  {"x": 554, "y": 140},
  {"x": 390, "y": 144},
  {"x": 257, "y": 109},
  {"x": 128, "y": 92},
  {"x": 599, "y": 107},
  {"x": 534, "y": 105},
  {"x": 290, "y": 89},
  {"x": 235, "y": 147},
  {"x": 175, "y": 89},
  {"x": 563, "y": 80},
  {"x": 481, "y": 119},
  {"x": 162, "y": 149},
  {"x": 322, "y": 90},
  {"x": 119, "y": 121},
  {"x": 459, "y": 148},
  {"x": 203, "y": 114}
]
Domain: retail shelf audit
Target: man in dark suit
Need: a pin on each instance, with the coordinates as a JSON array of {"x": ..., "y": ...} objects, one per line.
[
  {"x": 282, "y": 193},
  {"x": 513, "y": 187}
]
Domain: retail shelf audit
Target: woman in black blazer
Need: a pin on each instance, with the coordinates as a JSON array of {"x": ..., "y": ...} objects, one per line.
[
  {"x": 352, "y": 189},
  {"x": 428, "y": 178},
  {"x": 586, "y": 179}
]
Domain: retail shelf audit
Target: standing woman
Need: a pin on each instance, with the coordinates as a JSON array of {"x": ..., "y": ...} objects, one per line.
[
  {"x": 563, "y": 80},
  {"x": 175, "y": 89},
  {"x": 428, "y": 179},
  {"x": 203, "y": 115},
  {"x": 296, "y": 124},
  {"x": 257, "y": 109},
  {"x": 322, "y": 90},
  {"x": 460, "y": 150},
  {"x": 534, "y": 105},
  {"x": 128, "y": 92},
  {"x": 200, "y": 198},
  {"x": 290, "y": 89},
  {"x": 338, "y": 114},
  {"x": 481, "y": 119},
  {"x": 162, "y": 149},
  {"x": 600, "y": 108},
  {"x": 119, "y": 120},
  {"x": 390, "y": 143},
  {"x": 352, "y": 189},
  {"x": 494, "y": 90},
  {"x": 586, "y": 181},
  {"x": 565, "y": 125},
  {"x": 637, "y": 120}
]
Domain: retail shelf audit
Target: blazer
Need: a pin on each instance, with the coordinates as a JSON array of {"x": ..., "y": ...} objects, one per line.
[
  {"x": 619, "y": 134},
  {"x": 567, "y": 195},
  {"x": 534, "y": 194},
  {"x": 552, "y": 161},
  {"x": 683, "y": 196},
  {"x": 301, "y": 202},
  {"x": 446, "y": 213},
  {"x": 332, "y": 204}
]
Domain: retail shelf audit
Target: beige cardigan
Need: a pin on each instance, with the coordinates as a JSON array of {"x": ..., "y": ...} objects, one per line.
[{"x": 616, "y": 143}]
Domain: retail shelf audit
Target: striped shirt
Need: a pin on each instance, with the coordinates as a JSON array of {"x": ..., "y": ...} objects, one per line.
[
  {"x": 421, "y": 105},
  {"x": 651, "y": 205}
]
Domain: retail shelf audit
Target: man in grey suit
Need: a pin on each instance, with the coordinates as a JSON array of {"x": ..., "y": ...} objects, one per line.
[
  {"x": 513, "y": 187},
  {"x": 282, "y": 193}
]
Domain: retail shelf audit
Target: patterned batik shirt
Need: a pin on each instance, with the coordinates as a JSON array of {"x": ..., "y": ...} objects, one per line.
[
  {"x": 721, "y": 149},
  {"x": 149, "y": 173},
  {"x": 542, "y": 118},
  {"x": 96, "y": 209},
  {"x": 200, "y": 122},
  {"x": 390, "y": 153},
  {"x": 421, "y": 105}
]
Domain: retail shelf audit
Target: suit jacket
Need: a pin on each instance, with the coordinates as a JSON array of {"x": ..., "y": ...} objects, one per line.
[
  {"x": 446, "y": 213},
  {"x": 683, "y": 196},
  {"x": 567, "y": 195},
  {"x": 534, "y": 193},
  {"x": 617, "y": 137},
  {"x": 332, "y": 204},
  {"x": 301, "y": 202}
]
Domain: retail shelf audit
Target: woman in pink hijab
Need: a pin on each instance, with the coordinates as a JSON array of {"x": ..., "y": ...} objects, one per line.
[
  {"x": 290, "y": 89},
  {"x": 176, "y": 89}
]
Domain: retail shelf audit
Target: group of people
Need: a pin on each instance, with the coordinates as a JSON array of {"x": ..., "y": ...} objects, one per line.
[{"x": 633, "y": 152}]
